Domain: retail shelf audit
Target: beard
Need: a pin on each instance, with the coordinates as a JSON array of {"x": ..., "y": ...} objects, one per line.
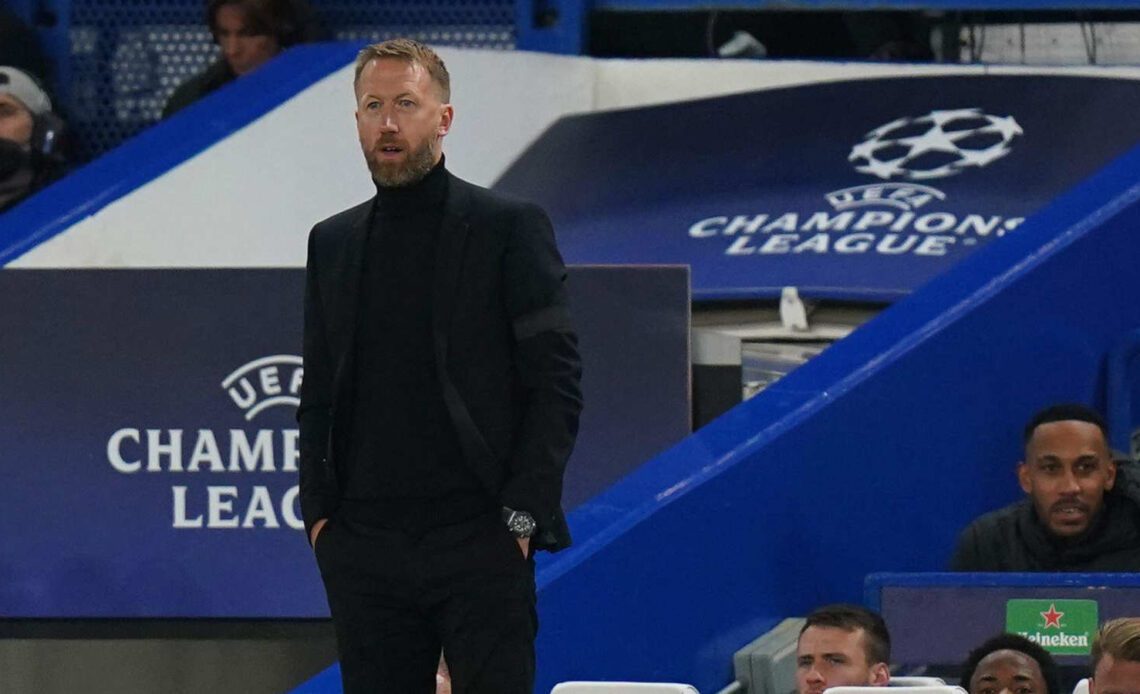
[{"x": 391, "y": 174}]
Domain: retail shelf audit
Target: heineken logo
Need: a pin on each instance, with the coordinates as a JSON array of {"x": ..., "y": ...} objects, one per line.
[
  {"x": 1052, "y": 617},
  {"x": 1062, "y": 627}
]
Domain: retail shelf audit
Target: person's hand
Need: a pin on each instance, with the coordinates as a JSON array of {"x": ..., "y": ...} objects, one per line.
[
  {"x": 524, "y": 545},
  {"x": 316, "y": 531}
]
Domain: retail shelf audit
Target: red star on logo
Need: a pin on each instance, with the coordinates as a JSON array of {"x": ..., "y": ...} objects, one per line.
[{"x": 1052, "y": 617}]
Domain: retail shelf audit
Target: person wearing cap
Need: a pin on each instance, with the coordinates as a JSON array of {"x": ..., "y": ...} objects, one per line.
[
  {"x": 249, "y": 33},
  {"x": 29, "y": 137}
]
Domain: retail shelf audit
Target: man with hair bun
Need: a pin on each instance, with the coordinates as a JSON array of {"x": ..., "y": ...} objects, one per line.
[{"x": 1115, "y": 658}]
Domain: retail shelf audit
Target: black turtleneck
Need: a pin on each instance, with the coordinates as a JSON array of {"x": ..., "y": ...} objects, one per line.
[{"x": 405, "y": 468}]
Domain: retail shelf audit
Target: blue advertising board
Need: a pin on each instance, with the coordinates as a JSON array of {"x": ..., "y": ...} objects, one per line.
[
  {"x": 149, "y": 449},
  {"x": 860, "y": 189}
]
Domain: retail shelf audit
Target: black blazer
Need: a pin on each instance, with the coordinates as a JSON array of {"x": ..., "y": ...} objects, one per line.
[{"x": 506, "y": 356}]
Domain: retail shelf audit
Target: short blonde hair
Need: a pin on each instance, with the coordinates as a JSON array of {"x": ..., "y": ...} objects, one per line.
[
  {"x": 409, "y": 51},
  {"x": 1119, "y": 638}
]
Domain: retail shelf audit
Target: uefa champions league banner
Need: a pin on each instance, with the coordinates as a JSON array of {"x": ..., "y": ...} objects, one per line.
[
  {"x": 853, "y": 190},
  {"x": 149, "y": 449}
]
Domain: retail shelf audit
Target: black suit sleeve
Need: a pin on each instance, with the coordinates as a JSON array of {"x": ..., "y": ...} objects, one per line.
[
  {"x": 318, "y": 493},
  {"x": 547, "y": 365}
]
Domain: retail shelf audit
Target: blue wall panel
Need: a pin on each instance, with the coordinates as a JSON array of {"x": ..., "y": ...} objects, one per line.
[{"x": 869, "y": 458}]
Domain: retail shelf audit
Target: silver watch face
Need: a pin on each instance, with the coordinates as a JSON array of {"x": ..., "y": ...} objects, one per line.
[{"x": 521, "y": 524}]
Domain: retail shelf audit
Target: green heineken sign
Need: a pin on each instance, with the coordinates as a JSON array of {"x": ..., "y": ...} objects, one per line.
[{"x": 1062, "y": 627}]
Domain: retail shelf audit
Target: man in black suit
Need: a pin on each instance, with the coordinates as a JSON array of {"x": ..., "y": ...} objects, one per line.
[{"x": 439, "y": 405}]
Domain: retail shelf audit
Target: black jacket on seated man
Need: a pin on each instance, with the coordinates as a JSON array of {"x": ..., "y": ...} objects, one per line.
[
  {"x": 1013, "y": 539},
  {"x": 1082, "y": 505}
]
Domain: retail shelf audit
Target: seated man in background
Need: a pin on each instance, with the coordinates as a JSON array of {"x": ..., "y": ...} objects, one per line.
[
  {"x": 1010, "y": 663},
  {"x": 1082, "y": 510},
  {"x": 842, "y": 645},
  {"x": 249, "y": 32},
  {"x": 30, "y": 136},
  {"x": 1116, "y": 658}
]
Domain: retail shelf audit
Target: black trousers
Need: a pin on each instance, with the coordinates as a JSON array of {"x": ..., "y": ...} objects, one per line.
[{"x": 397, "y": 598}]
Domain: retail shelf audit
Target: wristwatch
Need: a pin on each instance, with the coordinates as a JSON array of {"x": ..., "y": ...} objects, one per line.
[{"x": 520, "y": 523}]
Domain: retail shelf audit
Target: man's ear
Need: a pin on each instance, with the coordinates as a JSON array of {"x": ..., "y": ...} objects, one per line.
[
  {"x": 880, "y": 675},
  {"x": 446, "y": 117},
  {"x": 1024, "y": 478},
  {"x": 1110, "y": 470}
]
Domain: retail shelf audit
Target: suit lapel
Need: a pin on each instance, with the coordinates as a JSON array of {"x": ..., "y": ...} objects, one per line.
[
  {"x": 450, "y": 249},
  {"x": 354, "y": 249},
  {"x": 350, "y": 267},
  {"x": 448, "y": 262}
]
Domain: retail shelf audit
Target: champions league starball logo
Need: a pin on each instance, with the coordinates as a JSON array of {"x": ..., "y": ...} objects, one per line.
[
  {"x": 894, "y": 215},
  {"x": 937, "y": 145}
]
